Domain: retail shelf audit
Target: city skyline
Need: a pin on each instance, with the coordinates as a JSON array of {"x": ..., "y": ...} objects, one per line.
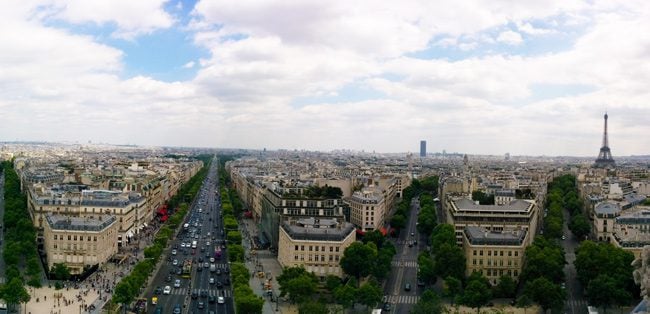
[{"x": 481, "y": 78}]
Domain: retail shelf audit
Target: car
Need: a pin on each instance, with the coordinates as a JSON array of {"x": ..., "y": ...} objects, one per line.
[
  {"x": 195, "y": 294},
  {"x": 200, "y": 259},
  {"x": 563, "y": 237},
  {"x": 199, "y": 269},
  {"x": 421, "y": 283},
  {"x": 157, "y": 291},
  {"x": 221, "y": 300},
  {"x": 412, "y": 234},
  {"x": 207, "y": 243},
  {"x": 201, "y": 305},
  {"x": 167, "y": 290},
  {"x": 203, "y": 293},
  {"x": 174, "y": 252},
  {"x": 177, "y": 283},
  {"x": 175, "y": 262},
  {"x": 410, "y": 244},
  {"x": 168, "y": 278},
  {"x": 158, "y": 310},
  {"x": 386, "y": 307},
  {"x": 226, "y": 281},
  {"x": 211, "y": 259},
  {"x": 219, "y": 285},
  {"x": 206, "y": 265},
  {"x": 415, "y": 242},
  {"x": 407, "y": 287},
  {"x": 211, "y": 281},
  {"x": 212, "y": 299},
  {"x": 179, "y": 271},
  {"x": 182, "y": 244},
  {"x": 177, "y": 309},
  {"x": 218, "y": 272}
]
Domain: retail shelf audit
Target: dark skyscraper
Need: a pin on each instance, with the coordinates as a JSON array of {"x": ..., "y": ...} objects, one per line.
[
  {"x": 423, "y": 148},
  {"x": 605, "y": 159}
]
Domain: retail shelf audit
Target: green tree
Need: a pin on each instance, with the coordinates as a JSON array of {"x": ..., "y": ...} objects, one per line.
[
  {"x": 297, "y": 283},
  {"x": 234, "y": 237},
  {"x": 429, "y": 303},
  {"x": 345, "y": 295},
  {"x": 398, "y": 221},
  {"x": 312, "y": 307},
  {"x": 506, "y": 287},
  {"x": 580, "y": 226},
  {"x": 235, "y": 253},
  {"x": 547, "y": 294},
  {"x": 369, "y": 294},
  {"x": 477, "y": 294},
  {"x": 124, "y": 293},
  {"x": 442, "y": 234},
  {"x": 482, "y": 198},
  {"x": 524, "y": 302},
  {"x": 248, "y": 303},
  {"x": 358, "y": 259},
  {"x": 453, "y": 288},
  {"x": 594, "y": 259},
  {"x": 374, "y": 236},
  {"x": 449, "y": 261},
  {"x": 426, "y": 268},
  {"x": 14, "y": 292},
  {"x": 61, "y": 271},
  {"x": 606, "y": 291},
  {"x": 544, "y": 258}
]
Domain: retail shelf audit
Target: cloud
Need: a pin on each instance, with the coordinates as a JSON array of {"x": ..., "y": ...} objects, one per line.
[
  {"x": 189, "y": 65},
  {"x": 510, "y": 37}
]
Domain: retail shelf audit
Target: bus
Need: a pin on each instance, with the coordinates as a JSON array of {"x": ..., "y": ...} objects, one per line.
[
  {"x": 187, "y": 269},
  {"x": 217, "y": 252}
]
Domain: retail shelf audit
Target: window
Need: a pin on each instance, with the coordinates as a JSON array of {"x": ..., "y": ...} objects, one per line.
[
  {"x": 69, "y": 237},
  {"x": 516, "y": 273},
  {"x": 501, "y": 253},
  {"x": 516, "y": 253},
  {"x": 302, "y": 247},
  {"x": 295, "y": 258},
  {"x": 336, "y": 258},
  {"x": 55, "y": 236},
  {"x": 331, "y": 249},
  {"x": 310, "y": 248},
  {"x": 337, "y": 248},
  {"x": 474, "y": 252},
  {"x": 310, "y": 257},
  {"x": 509, "y": 253},
  {"x": 480, "y": 252},
  {"x": 322, "y": 258},
  {"x": 473, "y": 261},
  {"x": 322, "y": 248},
  {"x": 296, "y": 248},
  {"x": 317, "y": 249}
]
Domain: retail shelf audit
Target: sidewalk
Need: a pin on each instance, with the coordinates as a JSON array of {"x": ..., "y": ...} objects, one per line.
[{"x": 265, "y": 262}]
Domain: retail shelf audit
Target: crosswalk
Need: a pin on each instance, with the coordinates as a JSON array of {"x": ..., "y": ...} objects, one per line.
[
  {"x": 403, "y": 299},
  {"x": 404, "y": 264},
  {"x": 576, "y": 303},
  {"x": 211, "y": 292},
  {"x": 180, "y": 264}
]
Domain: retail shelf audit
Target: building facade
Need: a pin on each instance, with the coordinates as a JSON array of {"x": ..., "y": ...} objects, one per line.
[
  {"x": 494, "y": 253},
  {"x": 316, "y": 244},
  {"x": 79, "y": 242}
]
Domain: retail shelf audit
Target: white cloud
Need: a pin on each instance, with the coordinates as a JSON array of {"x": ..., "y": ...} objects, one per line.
[
  {"x": 510, "y": 37},
  {"x": 132, "y": 18},
  {"x": 189, "y": 65}
]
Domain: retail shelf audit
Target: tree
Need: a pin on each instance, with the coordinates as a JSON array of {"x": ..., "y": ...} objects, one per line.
[
  {"x": 398, "y": 221},
  {"x": 524, "y": 301},
  {"x": 61, "y": 271},
  {"x": 606, "y": 291},
  {"x": 579, "y": 225},
  {"x": 442, "y": 233},
  {"x": 369, "y": 294},
  {"x": 235, "y": 253},
  {"x": 595, "y": 259},
  {"x": 482, "y": 198},
  {"x": 477, "y": 294},
  {"x": 506, "y": 287},
  {"x": 332, "y": 282},
  {"x": 124, "y": 293},
  {"x": 234, "y": 237},
  {"x": 374, "y": 236},
  {"x": 449, "y": 261},
  {"x": 426, "y": 268},
  {"x": 429, "y": 303},
  {"x": 453, "y": 288},
  {"x": 14, "y": 292},
  {"x": 544, "y": 258},
  {"x": 547, "y": 294},
  {"x": 346, "y": 295},
  {"x": 248, "y": 303},
  {"x": 297, "y": 283},
  {"x": 312, "y": 307},
  {"x": 358, "y": 259}
]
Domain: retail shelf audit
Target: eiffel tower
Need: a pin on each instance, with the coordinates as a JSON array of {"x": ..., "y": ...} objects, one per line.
[{"x": 605, "y": 159}]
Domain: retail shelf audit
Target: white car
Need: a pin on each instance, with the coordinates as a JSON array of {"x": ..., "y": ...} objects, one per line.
[
  {"x": 211, "y": 259},
  {"x": 221, "y": 300},
  {"x": 207, "y": 243},
  {"x": 177, "y": 283},
  {"x": 174, "y": 252},
  {"x": 175, "y": 262},
  {"x": 211, "y": 281},
  {"x": 182, "y": 244},
  {"x": 167, "y": 290}
]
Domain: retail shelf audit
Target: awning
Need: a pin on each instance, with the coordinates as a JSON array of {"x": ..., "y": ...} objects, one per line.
[{"x": 144, "y": 224}]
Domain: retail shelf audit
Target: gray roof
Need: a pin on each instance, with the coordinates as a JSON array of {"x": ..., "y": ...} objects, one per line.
[
  {"x": 321, "y": 230},
  {"x": 515, "y": 205},
  {"x": 606, "y": 208},
  {"x": 62, "y": 222},
  {"x": 480, "y": 236},
  {"x": 637, "y": 218}
]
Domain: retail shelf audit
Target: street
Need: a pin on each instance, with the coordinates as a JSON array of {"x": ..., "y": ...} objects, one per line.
[
  {"x": 404, "y": 267},
  {"x": 575, "y": 302},
  {"x": 204, "y": 281}
]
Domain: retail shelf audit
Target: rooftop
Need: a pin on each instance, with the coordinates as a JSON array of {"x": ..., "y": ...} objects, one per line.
[
  {"x": 481, "y": 236},
  {"x": 62, "y": 222},
  {"x": 607, "y": 208},
  {"x": 317, "y": 229},
  {"x": 515, "y": 205}
]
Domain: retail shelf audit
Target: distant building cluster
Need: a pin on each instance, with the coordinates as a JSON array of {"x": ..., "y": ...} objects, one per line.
[{"x": 86, "y": 203}]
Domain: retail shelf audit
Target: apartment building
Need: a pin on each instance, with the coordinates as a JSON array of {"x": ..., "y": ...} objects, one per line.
[
  {"x": 368, "y": 208},
  {"x": 316, "y": 244},
  {"x": 79, "y": 242},
  {"x": 605, "y": 214},
  {"x": 495, "y": 253},
  {"x": 517, "y": 215}
]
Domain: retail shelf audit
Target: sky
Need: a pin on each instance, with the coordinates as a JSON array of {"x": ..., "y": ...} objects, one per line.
[{"x": 477, "y": 77}]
